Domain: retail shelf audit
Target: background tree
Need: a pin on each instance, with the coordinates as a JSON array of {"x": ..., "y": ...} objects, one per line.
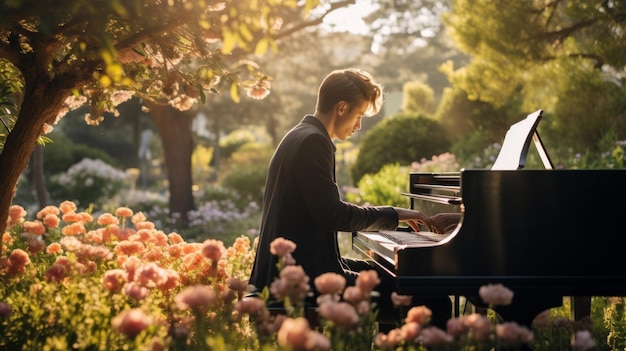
[
  {"x": 566, "y": 57},
  {"x": 101, "y": 53}
]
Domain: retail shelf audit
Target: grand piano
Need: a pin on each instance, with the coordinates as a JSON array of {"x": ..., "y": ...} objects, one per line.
[{"x": 543, "y": 233}]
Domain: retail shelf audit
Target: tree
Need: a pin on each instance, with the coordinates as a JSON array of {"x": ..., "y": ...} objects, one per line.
[
  {"x": 567, "y": 57},
  {"x": 101, "y": 53}
]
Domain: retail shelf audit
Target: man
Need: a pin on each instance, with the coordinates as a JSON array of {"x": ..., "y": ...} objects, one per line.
[{"x": 302, "y": 201}]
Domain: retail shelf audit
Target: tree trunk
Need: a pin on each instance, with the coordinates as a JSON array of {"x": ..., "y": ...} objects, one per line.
[
  {"x": 42, "y": 101},
  {"x": 37, "y": 176},
  {"x": 175, "y": 130}
]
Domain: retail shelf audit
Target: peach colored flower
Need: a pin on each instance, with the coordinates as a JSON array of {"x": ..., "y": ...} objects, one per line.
[
  {"x": 7, "y": 238},
  {"x": 72, "y": 217},
  {"x": 419, "y": 314},
  {"x": 342, "y": 314},
  {"x": 496, "y": 294},
  {"x": 281, "y": 246},
  {"x": 367, "y": 280},
  {"x": 196, "y": 297},
  {"x": 293, "y": 333},
  {"x": 388, "y": 341},
  {"x": 74, "y": 229},
  {"x": 131, "y": 322},
  {"x": 96, "y": 236},
  {"x": 67, "y": 206},
  {"x": 434, "y": 337},
  {"x": 85, "y": 217},
  {"x": 410, "y": 331},
  {"x": 129, "y": 247},
  {"x": 175, "y": 238},
  {"x": 53, "y": 210},
  {"x": 330, "y": 283},
  {"x": 123, "y": 212},
  {"x": 51, "y": 220},
  {"x": 401, "y": 300},
  {"x": 70, "y": 243},
  {"x": 172, "y": 279},
  {"x": 144, "y": 225},
  {"x": 34, "y": 227},
  {"x": 138, "y": 217},
  {"x": 114, "y": 279},
  {"x": 16, "y": 215},
  {"x": 107, "y": 219},
  {"x": 213, "y": 249}
]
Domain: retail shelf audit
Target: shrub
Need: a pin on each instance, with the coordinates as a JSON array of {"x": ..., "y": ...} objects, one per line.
[
  {"x": 382, "y": 188},
  {"x": 88, "y": 181},
  {"x": 399, "y": 139}
]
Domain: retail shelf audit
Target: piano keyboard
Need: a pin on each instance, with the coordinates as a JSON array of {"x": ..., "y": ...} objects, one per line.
[{"x": 411, "y": 238}]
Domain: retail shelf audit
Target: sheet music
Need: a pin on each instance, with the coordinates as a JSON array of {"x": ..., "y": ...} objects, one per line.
[{"x": 512, "y": 156}]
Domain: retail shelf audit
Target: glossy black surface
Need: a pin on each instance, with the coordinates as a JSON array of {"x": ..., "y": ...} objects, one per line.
[{"x": 539, "y": 232}]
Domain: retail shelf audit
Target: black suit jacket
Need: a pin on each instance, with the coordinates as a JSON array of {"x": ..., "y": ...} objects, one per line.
[{"x": 302, "y": 203}]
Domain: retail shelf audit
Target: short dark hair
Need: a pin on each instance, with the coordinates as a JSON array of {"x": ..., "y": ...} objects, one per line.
[{"x": 351, "y": 85}]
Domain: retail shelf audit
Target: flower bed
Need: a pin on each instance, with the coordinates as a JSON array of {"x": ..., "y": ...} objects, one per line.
[{"x": 75, "y": 281}]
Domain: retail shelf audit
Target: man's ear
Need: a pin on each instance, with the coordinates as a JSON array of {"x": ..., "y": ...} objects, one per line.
[{"x": 342, "y": 107}]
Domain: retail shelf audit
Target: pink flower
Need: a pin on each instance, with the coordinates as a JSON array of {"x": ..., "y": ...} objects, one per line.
[
  {"x": 512, "y": 334},
  {"x": 131, "y": 322},
  {"x": 196, "y": 297},
  {"x": 389, "y": 341},
  {"x": 354, "y": 295},
  {"x": 410, "y": 331},
  {"x": 114, "y": 279},
  {"x": 436, "y": 337},
  {"x": 150, "y": 275},
  {"x": 401, "y": 300},
  {"x": 330, "y": 283},
  {"x": 293, "y": 333},
  {"x": 456, "y": 327},
  {"x": 5, "y": 310},
  {"x": 478, "y": 325},
  {"x": 56, "y": 273},
  {"x": 19, "y": 258},
  {"x": 213, "y": 249},
  {"x": 583, "y": 341},
  {"x": 292, "y": 283},
  {"x": 496, "y": 294},
  {"x": 136, "y": 291},
  {"x": 419, "y": 314},
  {"x": 281, "y": 246},
  {"x": 16, "y": 215},
  {"x": 251, "y": 306},
  {"x": 341, "y": 313},
  {"x": 367, "y": 280}
]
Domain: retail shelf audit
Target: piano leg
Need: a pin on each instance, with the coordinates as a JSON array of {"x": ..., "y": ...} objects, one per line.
[
  {"x": 526, "y": 307},
  {"x": 580, "y": 307}
]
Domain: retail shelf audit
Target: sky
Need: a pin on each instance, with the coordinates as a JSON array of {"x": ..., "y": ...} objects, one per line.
[{"x": 350, "y": 18}]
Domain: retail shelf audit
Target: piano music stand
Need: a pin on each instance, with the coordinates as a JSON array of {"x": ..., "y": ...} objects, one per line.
[{"x": 516, "y": 142}]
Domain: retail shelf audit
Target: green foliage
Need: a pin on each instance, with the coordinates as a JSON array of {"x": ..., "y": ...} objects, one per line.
[
  {"x": 399, "y": 139},
  {"x": 383, "y": 188},
  {"x": 61, "y": 153},
  {"x": 417, "y": 97}
]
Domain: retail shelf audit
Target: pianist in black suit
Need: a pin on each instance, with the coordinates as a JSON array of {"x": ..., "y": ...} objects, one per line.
[{"x": 302, "y": 201}]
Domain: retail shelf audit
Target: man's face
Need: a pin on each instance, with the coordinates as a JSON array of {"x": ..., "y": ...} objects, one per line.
[{"x": 349, "y": 121}]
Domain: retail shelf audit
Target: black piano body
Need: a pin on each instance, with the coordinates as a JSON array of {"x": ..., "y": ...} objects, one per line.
[{"x": 544, "y": 234}]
